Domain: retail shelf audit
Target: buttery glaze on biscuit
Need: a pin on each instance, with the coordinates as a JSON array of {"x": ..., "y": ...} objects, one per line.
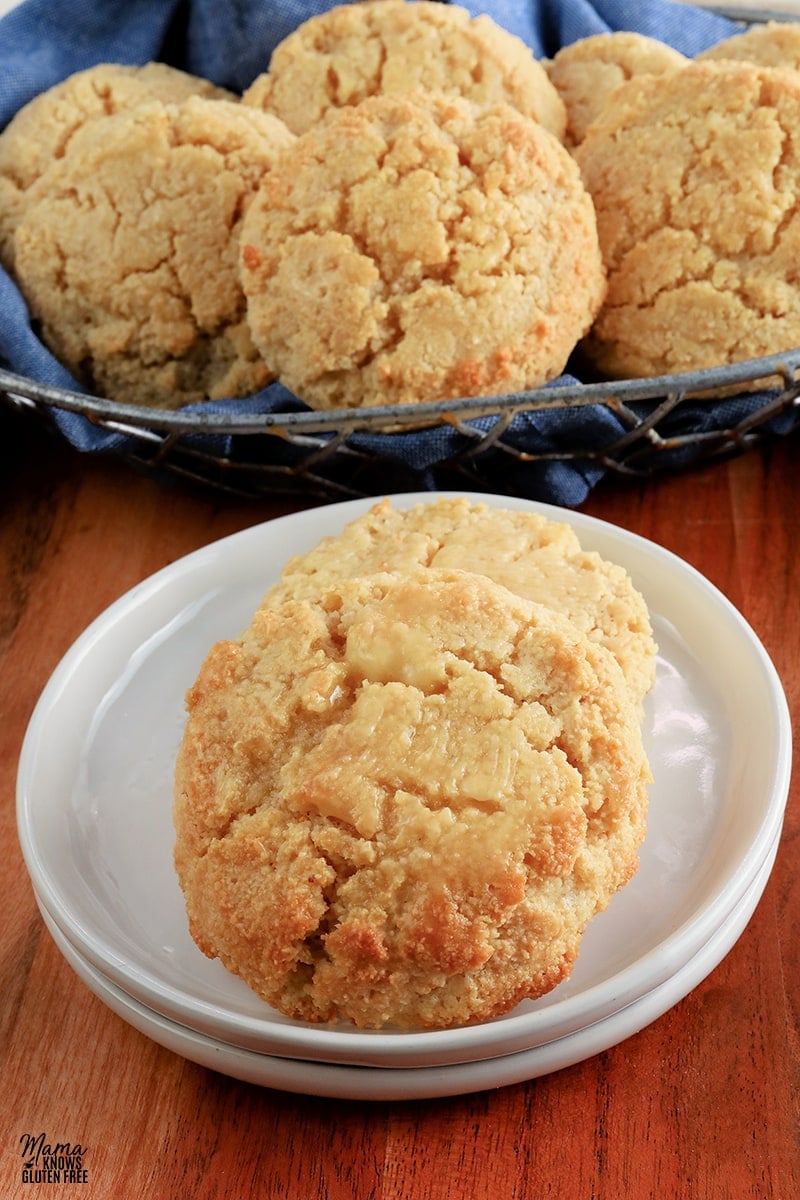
[{"x": 537, "y": 558}]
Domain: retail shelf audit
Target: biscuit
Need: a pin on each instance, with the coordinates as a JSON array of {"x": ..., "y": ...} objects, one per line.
[
  {"x": 128, "y": 257},
  {"x": 418, "y": 247},
  {"x": 41, "y": 130},
  {"x": 353, "y": 51},
  {"x": 400, "y": 802},
  {"x": 695, "y": 179},
  {"x": 771, "y": 44},
  {"x": 539, "y": 559},
  {"x": 586, "y": 73}
]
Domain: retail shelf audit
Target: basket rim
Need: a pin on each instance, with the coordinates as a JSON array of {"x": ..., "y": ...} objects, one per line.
[{"x": 553, "y": 395}]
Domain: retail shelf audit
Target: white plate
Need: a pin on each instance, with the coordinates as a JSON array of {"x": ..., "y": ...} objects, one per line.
[
  {"x": 95, "y": 784},
  {"x": 418, "y": 1083}
]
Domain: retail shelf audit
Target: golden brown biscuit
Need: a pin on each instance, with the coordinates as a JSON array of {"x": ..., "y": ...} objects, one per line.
[
  {"x": 695, "y": 179},
  {"x": 40, "y": 132},
  {"x": 402, "y": 801},
  {"x": 353, "y": 51},
  {"x": 416, "y": 248},
  {"x": 539, "y": 559},
  {"x": 128, "y": 256},
  {"x": 586, "y": 73},
  {"x": 771, "y": 44}
]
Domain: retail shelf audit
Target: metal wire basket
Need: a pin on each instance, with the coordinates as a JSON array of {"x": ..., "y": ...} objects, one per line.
[
  {"x": 514, "y": 443},
  {"x": 630, "y": 428}
]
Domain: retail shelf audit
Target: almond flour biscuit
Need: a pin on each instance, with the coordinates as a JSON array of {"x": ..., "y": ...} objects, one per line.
[
  {"x": 40, "y": 132},
  {"x": 587, "y": 72},
  {"x": 401, "y": 802},
  {"x": 353, "y": 51},
  {"x": 695, "y": 178},
  {"x": 771, "y": 44},
  {"x": 417, "y": 247},
  {"x": 533, "y": 557},
  {"x": 128, "y": 257}
]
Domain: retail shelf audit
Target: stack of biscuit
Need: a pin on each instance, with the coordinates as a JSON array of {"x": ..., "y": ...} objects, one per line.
[
  {"x": 409, "y": 785},
  {"x": 407, "y": 205}
]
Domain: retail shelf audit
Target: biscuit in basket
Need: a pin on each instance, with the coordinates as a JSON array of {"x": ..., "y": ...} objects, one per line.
[
  {"x": 695, "y": 178},
  {"x": 771, "y": 44},
  {"x": 418, "y": 247},
  {"x": 353, "y": 51},
  {"x": 42, "y": 129},
  {"x": 587, "y": 72},
  {"x": 532, "y": 556},
  {"x": 128, "y": 257},
  {"x": 401, "y": 802}
]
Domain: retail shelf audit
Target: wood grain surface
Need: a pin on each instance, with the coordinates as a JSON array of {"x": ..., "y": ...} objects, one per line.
[{"x": 702, "y": 1104}]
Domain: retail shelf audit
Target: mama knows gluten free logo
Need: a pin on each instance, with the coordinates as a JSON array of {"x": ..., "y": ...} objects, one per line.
[{"x": 61, "y": 1162}]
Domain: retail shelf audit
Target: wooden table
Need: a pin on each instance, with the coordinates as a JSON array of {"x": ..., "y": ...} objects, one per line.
[{"x": 702, "y": 1103}]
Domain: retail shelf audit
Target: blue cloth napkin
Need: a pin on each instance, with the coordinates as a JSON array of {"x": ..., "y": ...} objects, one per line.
[{"x": 230, "y": 42}]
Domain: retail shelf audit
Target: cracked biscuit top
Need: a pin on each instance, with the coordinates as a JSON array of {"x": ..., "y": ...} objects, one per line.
[
  {"x": 41, "y": 130},
  {"x": 695, "y": 178},
  {"x": 418, "y": 247},
  {"x": 128, "y": 255},
  {"x": 586, "y": 73},
  {"x": 353, "y": 51},
  {"x": 400, "y": 802},
  {"x": 532, "y": 556}
]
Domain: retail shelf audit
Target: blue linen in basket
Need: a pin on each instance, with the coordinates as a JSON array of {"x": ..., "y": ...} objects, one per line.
[{"x": 230, "y": 43}]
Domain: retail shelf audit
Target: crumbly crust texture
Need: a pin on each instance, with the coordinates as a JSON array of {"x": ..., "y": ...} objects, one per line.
[
  {"x": 128, "y": 257},
  {"x": 41, "y": 130},
  {"x": 586, "y": 73},
  {"x": 539, "y": 559},
  {"x": 771, "y": 44},
  {"x": 695, "y": 178},
  {"x": 416, "y": 248},
  {"x": 353, "y": 51},
  {"x": 401, "y": 802}
]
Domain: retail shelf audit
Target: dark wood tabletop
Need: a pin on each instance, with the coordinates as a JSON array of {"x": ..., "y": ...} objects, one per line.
[{"x": 701, "y": 1104}]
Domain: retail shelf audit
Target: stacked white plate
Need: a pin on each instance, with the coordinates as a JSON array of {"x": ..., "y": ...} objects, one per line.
[{"x": 94, "y": 820}]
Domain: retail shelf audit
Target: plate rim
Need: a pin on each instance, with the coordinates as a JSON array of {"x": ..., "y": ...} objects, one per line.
[
  {"x": 332, "y": 1041},
  {"x": 364, "y": 1082}
]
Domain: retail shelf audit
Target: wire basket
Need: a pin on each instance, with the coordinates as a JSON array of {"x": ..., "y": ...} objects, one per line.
[
  {"x": 552, "y": 443},
  {"x": 509, "y": 444}
]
